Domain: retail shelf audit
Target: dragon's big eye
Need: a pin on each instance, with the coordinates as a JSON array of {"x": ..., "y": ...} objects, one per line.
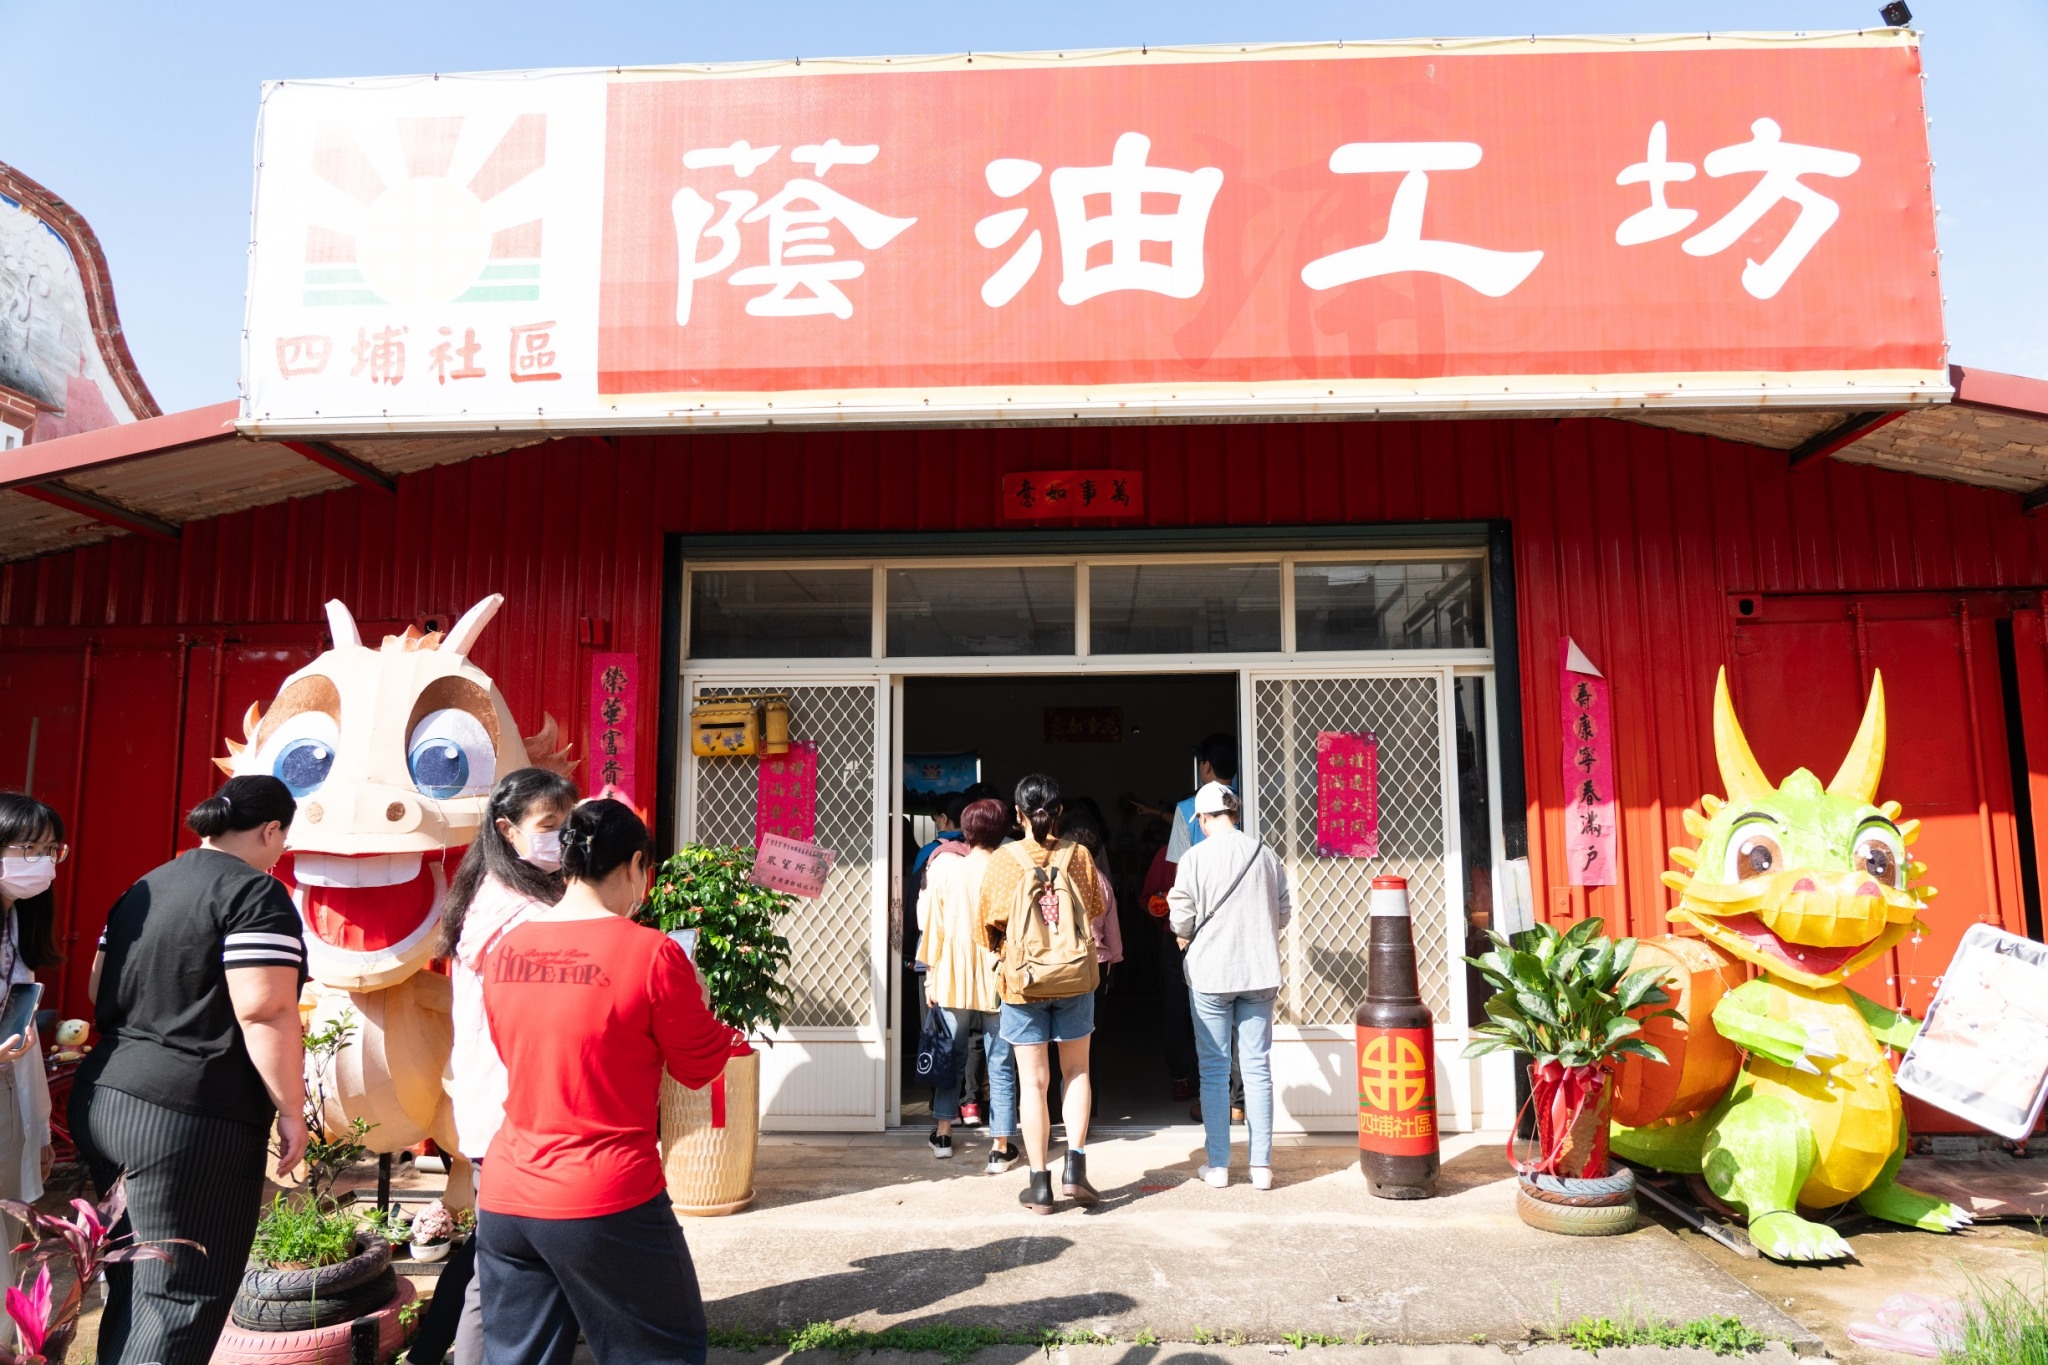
[
  {"x": 1752, "y": 853},
  {"x": 1880, "y": 856},
  {"x": 450, "y": 755},
  {"x": 300, "y": 753}
]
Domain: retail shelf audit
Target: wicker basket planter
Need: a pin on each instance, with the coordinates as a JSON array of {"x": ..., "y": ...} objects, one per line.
[{"x": 709, "y": 1166}]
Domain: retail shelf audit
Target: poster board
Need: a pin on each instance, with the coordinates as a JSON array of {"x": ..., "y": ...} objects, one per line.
[{"x": 1982, "y": 1053}]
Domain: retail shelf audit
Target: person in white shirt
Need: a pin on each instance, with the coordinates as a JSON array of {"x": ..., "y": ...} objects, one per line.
[{"x": 1227, "y": 908}]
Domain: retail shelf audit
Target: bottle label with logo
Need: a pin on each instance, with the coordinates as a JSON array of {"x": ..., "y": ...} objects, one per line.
[{"x": 1397, "y": 1090}]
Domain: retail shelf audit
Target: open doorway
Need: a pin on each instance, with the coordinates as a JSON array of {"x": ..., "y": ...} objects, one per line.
[{"x": 1124, "y": 743}]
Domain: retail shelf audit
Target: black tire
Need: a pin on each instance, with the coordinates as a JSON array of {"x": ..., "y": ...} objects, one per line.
[
  {"x": 299, "y": 1315},
  {"x": 373, "y": 1255},
  {"x": 1577, "y": 1194},
  {"x": 1607, "y": 1220}
]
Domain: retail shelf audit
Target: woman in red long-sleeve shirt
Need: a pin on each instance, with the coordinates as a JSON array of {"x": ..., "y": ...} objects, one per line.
[{"x": 574, "y": 1223}]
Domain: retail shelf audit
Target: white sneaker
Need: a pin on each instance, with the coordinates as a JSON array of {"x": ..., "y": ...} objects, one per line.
[
  {"x": 1216, "y": 1177},
  {"x": 1262, "y": 1177}
]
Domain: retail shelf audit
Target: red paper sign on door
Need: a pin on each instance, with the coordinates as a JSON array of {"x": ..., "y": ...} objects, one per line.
[
  {"x": 792, "y": 865},
  {"x": 1347, "y": 795},
  {"x": 614, "y": 700},
  {"x": 1590, "y": 809},
  {"x": 786, "y": 796}
]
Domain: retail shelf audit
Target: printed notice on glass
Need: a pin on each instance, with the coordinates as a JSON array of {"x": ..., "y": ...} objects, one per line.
[{"x": 793, "y": 865}]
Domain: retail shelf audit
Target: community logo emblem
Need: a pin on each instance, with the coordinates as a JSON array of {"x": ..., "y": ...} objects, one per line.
[
  {"x": 1392, "y": 1082},
  {"x": 427, "y": 211}
]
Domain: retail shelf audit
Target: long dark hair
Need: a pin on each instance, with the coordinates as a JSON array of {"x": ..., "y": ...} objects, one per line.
[
  {"x": 491, "y": 854},
  {"x": 1082, "y": 823},
  {"x": 600, "y": 838},
  {"x": 25, "y": 820},
  {"x": 1039, "y": 805}
]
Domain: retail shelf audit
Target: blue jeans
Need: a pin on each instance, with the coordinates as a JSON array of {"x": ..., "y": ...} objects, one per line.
[
  {"x": 1246, "y": 1016},
  {"x": 1002, "y": 1071}
]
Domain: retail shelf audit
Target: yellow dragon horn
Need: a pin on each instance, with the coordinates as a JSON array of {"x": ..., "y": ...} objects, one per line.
[
  {"x": 1739, "y": 771},
  {"x": 1857, "y": 777}
]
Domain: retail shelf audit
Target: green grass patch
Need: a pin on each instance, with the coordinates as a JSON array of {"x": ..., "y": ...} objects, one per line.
[
  {"x": 1724, "y": 1336},
  {"x": 298, "y": 1232},
  {"x": 953, "y": 1342},
  {"x": 1301, "y": 1341},
  {"x": 2004, "y": 1321}
]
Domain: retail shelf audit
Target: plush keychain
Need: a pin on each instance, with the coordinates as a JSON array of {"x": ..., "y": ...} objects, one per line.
[{"x": 71, "y": 1045}]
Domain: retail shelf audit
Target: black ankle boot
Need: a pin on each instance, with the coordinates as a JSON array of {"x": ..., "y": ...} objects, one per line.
[
  {"x": 1076, "y": 1179},
  {"x": 1037, "y": 1196}
]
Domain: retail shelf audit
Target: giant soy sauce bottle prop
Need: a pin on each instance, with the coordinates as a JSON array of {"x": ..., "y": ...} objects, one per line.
[{"x": 1397, "y": 1141}]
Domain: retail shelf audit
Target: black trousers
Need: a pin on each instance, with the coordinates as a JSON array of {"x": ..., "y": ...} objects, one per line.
[
  {"x": 189, "y": 1175},
  {"x": 626, "y": 1277}
]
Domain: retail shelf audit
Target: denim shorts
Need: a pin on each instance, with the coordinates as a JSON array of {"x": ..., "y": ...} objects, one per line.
[{"x": 1049, "y": 1021}]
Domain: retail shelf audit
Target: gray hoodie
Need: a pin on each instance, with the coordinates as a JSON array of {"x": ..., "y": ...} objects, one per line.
[{"x": 1237, "y": 947}]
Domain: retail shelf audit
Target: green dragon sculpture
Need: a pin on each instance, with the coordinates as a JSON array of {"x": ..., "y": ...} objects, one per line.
[{"x": 1808, "y": 884}]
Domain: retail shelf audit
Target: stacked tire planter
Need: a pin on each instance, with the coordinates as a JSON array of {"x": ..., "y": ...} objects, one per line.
[
  {"x": 1578, "y": 1208},
  {"x": 307, "y": 1317}
]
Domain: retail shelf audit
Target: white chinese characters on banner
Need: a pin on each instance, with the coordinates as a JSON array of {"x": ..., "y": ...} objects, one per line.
[
  {"x": 1125, "y": 228},
  {"x": 1404, "y": 248},
  {"x": 800, "y": 216},
  {"x": 1777, "y": 163}
]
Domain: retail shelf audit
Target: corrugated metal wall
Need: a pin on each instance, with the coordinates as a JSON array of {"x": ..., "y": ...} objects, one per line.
[{"x": 1628, "y": 538}]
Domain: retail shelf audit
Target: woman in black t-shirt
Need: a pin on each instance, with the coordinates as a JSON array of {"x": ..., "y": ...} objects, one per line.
[{"x": 197, "y": 989}]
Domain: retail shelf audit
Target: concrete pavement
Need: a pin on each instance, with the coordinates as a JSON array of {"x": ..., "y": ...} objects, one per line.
[{"x": 871, "y": 1232}]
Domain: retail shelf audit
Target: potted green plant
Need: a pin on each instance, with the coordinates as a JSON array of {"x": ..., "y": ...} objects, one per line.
[
  {"x": 1573, "y": 1002},
  {"x": 709, "y": 1136}
]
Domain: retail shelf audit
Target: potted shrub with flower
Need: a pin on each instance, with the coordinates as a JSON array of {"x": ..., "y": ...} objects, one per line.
[
  {"x": 44, "y": 1324},
  {"x": 432, "y": 1232},
  {"x": 708, "y": 1137},
  {"x": 1575, "y": 1002}
]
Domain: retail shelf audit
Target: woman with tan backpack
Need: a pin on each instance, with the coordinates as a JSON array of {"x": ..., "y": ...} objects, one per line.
[{"x": 1039, "y": 901}]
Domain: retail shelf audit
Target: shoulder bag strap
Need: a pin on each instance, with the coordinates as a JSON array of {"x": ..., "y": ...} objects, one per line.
[{"x": 1235, "y": 882}]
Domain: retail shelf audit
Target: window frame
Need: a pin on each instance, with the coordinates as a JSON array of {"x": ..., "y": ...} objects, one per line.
[{"x": 1084, "y": 659}]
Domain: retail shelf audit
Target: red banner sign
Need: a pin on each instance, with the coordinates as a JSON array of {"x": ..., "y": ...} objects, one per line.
[
  {"x": 1088, "y": 494},
  {"x": 1347, "y": 795},
  {"x": 614, "y": 701},
  {"x": 1592, "y": 813},
  {"x": 1358, "y": 228},
  {"x": 786, "y": 793},
  {"x": 1084, "y": 725}
]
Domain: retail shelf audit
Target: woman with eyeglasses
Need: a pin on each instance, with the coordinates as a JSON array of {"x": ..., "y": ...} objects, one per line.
[{"x": 31, "y": 847}]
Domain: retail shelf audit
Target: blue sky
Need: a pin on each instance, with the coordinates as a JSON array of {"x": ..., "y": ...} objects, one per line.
[{"x": 143, "y": 114}]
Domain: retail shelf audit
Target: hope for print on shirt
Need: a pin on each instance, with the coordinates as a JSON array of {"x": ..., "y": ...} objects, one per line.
[{"x": 548, "y": 967}]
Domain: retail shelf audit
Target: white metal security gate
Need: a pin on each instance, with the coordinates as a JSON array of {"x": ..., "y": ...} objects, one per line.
[
  {"x": 827, "y": 1067},
  {"x": 1324, "y": 956}
]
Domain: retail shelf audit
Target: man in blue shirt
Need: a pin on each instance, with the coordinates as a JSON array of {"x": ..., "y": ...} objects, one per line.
[{"x": 1215, "y": 761}]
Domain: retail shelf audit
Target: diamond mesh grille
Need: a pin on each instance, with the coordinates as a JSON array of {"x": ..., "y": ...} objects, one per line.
[
  {"x": 1326, "y": 958},
  {"x": 829, "y": 938}
]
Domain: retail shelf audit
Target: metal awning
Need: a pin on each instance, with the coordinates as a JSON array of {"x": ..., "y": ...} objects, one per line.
[{"x": 152, "y": 476}]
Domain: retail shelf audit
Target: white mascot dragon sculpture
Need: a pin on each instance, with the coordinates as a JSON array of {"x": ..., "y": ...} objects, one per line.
[{"x": 392, "y": 753}]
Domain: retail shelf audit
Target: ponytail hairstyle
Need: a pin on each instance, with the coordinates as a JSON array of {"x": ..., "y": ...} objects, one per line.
[
  {"x": 1039, "y": 805},
  {"x": 243, "y": 803},
  {"x": 491, "y": 854},
  {"x": 25, "y": 820},
  {"x": 601, "y": 837}
]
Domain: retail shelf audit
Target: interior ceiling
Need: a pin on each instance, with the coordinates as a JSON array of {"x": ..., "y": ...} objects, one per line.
[{"x": 1973, "y": 443}]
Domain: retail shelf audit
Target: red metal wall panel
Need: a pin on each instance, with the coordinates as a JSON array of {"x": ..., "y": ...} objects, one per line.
[{"x": 1628, "y": 538}]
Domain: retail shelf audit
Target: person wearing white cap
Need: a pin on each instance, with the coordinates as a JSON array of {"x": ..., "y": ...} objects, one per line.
[{"x": 1227, "y": 908}]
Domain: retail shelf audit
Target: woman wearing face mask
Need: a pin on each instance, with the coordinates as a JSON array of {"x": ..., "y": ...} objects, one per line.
[
  {"x": 33, "y": 838},
  {"x": 197, "y": 987},
  {"x": 510, "y": 873},
  {"x": 587, "y": 1007}
]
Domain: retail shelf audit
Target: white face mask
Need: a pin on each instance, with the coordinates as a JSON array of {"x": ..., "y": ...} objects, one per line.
[
  {"x": 544, "y": 849},
  {"x": 21, "y": 878}
]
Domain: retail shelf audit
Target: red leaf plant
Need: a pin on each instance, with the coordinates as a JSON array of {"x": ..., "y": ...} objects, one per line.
[{"x": 88, "y": 1240}]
